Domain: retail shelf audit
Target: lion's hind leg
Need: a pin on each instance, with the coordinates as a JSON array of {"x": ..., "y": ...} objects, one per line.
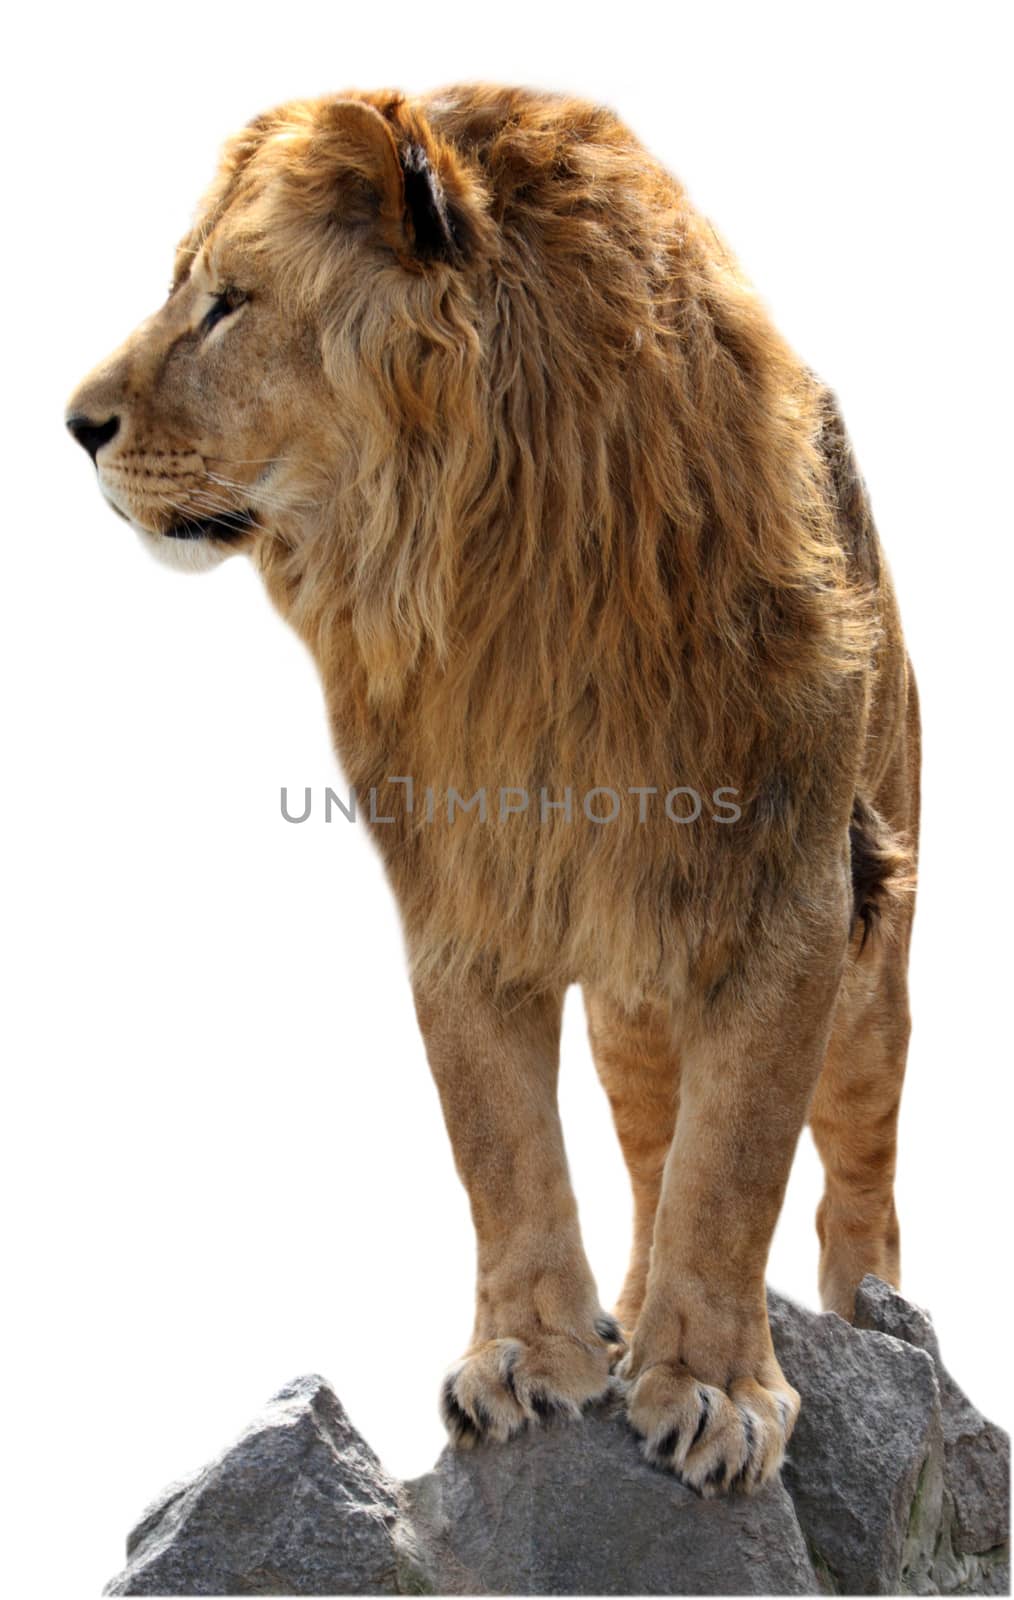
[
  {"x": 854, "y": 1119},
  {"x": 854, "y": 1111},
  {"x": 638, "y": 1065}
]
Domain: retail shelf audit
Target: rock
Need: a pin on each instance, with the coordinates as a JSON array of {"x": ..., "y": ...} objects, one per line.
[
  {"x": 976, "y": 1452},
  {"x": 976, "y": 1467},
  {"x": 298, "y": 1505},
  {"x": 575, "y": 1509},
  {"x": 894, "y": 1484},
  {"x": 867, "y": 1444}
]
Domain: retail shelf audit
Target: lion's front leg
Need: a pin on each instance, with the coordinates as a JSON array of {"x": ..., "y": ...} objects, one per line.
[
  {"x": 706, "y": 1394},
  {"x": 541, "y": 1341}
]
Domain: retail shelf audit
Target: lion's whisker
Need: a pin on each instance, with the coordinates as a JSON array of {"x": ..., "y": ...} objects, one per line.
[
  {"x": 255, "y": 461},
  {"x": 258, "y": 496}
]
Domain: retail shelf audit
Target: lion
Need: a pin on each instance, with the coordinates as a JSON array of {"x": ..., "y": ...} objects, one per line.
[{"x": 520, "y": 456}]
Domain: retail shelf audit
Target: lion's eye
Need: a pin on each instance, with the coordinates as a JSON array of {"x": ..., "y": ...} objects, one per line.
[{"x": 223, "y": 305}]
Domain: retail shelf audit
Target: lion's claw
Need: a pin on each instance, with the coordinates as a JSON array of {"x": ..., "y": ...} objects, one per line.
[
  {"x": 715, "y": 1440},
  {"x": 505, "y": 1384}
]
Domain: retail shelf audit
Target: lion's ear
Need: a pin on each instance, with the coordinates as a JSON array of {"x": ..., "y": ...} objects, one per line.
[
  {"x": 357, "y": 139},
  {"x": 426, "y": 207},
  {"x": 412, "y": 212}
]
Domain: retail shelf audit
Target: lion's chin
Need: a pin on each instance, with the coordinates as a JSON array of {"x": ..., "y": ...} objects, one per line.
[{"x": 184, "y": 555}]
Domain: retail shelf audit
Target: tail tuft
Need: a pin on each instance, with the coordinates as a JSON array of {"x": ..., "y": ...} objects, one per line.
[{"x": 883, "y": 867}]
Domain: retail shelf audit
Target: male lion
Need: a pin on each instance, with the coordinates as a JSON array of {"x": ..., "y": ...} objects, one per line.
[{"x": 562, "y": 519}]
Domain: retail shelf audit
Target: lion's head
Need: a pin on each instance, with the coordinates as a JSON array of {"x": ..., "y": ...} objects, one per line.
[{"x": 228, "y": 414}]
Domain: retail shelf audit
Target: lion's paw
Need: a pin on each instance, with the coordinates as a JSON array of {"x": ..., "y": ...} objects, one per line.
[
  {"x": 505, "y": 1384},
  {"x": 714, "y": 1440}
]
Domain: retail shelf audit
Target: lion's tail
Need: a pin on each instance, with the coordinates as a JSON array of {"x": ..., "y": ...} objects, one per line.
[{"x": 883, "y": 868}]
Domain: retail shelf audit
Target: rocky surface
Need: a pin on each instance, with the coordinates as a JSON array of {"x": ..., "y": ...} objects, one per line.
[
  {"x": 576, "y": 1510},
  {"x": 298, "y": 1505},
  {"x": 976, "y": 1452},
  {"x": 868, "y": 1438},
  {"x": 894, "y": 1484}
]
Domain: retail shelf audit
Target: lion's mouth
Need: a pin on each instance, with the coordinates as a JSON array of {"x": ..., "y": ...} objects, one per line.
[{"x": 225, "y": 525}]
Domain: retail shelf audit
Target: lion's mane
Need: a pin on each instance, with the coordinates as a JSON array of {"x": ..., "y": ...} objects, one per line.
[{"x": 587, "y": 521}]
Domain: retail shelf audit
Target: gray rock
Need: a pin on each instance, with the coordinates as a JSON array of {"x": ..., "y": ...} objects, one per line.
[
  {"x": 575, "y": 1509},
  {"x": 298, "y": 1505},
  {"x": 894, "y": 1484},
  {"x": 866, "y": 1448},
  {"x": 976, "y": 1452}
]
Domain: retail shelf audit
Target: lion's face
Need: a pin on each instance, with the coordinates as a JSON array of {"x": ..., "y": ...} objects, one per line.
[
  {"x": 197, "y": 423},
  {"x": 228, "y": 414}
]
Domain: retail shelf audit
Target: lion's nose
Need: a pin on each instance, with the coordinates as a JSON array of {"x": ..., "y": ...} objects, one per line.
[{"x": 92, "y": 435}]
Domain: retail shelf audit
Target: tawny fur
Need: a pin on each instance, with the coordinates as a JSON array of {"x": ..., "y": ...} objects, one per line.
[{"x": 556, "y": 509}]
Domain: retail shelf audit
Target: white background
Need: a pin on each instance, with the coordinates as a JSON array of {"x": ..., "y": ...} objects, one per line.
[{"x": 223, "y": 1155}]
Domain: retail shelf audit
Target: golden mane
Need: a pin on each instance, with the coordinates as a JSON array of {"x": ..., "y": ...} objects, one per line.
[{"x": 578, "y": 524}]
